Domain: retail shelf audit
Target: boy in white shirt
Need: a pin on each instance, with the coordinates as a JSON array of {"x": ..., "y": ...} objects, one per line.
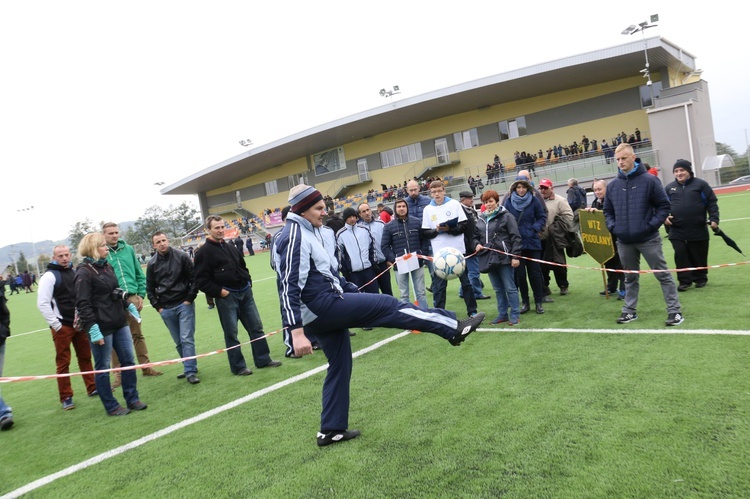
[{"x": 444, "y": 223}]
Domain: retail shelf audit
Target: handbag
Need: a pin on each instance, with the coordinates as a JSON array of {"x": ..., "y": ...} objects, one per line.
[
  {"x": 574, "y": 247},
  {"x": 488, "y": 261}
]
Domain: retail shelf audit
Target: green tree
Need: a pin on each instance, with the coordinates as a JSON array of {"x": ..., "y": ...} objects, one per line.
[
  {"x": 740, "y": 167},
  {"x": 182, "y": 219},
  {"x": 722, "y": 148},
  {"x": 43, "y": 260},
  {"x": 23, "y": 264},
  {"x": 154, "y": 219},
  {"x": 77, "y": 232}
]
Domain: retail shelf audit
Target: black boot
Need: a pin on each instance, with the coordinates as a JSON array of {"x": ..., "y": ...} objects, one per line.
[
  {"x": 539, "y": 308},
  {"x": 524, "y": 308}
]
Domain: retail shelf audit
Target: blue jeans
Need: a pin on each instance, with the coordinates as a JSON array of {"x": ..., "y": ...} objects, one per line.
[
  {"x": 472, "y": 267},
  {"x": 180, "y": 322},
  {"x": 417, "y": 279},
  {"x": 5, "y": 410},
  {"x": 122, "y": 342},
  {"x": 240, "y": 305},
  {"x": 503, "y": 281}
]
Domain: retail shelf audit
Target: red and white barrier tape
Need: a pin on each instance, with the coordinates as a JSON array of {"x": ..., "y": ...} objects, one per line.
[
  {"x": 621, "y": 271},
  {"x": 12, "y": 379}
]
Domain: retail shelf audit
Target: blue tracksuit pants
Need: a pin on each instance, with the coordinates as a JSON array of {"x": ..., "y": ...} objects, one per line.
[{"x": 336, "y": 313}]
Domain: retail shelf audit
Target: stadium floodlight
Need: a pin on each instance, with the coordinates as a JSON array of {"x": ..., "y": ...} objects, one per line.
[
  {"x": 390, "y": 93},
  {"x": 642, "y": 27}
]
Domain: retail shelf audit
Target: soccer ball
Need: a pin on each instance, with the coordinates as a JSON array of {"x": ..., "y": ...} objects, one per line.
[{"x": 449, "y": 263}]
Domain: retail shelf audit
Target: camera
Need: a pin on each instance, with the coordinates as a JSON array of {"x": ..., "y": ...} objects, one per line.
[{"x": 119, "y": 294}]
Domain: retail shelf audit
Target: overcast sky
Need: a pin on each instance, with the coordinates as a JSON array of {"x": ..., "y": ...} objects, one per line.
[{"x": 101, "y": 100}]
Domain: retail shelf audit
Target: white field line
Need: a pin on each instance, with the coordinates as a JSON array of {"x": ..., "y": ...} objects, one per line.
[
  {"x": 183, "y": 424},
  {"x": 231, "y": 405},
  {"x": 672, "y": 330}
]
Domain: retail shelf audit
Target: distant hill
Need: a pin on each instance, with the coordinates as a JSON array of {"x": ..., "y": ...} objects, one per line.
[{"x": 10, "y": 253}]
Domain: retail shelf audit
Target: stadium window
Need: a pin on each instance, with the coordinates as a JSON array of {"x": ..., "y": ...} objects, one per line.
[
  {"x": 272, "y": 187},
  {"x": 512, "y": 129},
  {"x": 466, "y": 139},
  {"x": 401, "y": 155},
  {"x": 296, "y": 179},
  {"x": 329, "y": 161},
  {"x": 646, "y": 94}
]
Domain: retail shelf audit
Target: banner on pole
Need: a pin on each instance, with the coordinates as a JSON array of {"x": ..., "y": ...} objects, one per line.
[{"x": 597, "y": 241}]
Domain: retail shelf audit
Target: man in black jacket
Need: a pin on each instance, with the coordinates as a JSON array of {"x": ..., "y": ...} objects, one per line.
[
  {"x": 170, "y": 288},
  {"x": 221, "y": 273},
  {"x": 6, "y": 413},
  {"x": 472, "y": 264},
  {"x": 692, "y": 202},
  {"x": 403, "y": 236}
]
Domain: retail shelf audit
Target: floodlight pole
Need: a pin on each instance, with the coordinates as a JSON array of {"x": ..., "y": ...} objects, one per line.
[{"x": 642, "y": 27}]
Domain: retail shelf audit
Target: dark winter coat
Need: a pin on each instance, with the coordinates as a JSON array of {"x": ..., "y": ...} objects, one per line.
[
  {"x": 402, "y": 236},
  {"x": 471, "y": 227},
  {"x": 530, "y": 222},
  {"x": 170, "y": 279},
  {"x": 635, "y": 206},
  {"x": 416, "y": 206},
  {"x": 499, "y": 232},
  {"x": 576, "y": 197},
  {"x": 691, "y": 203},
  {"x": 95, "y": 302},
  {"x": 219, "y": 265}
]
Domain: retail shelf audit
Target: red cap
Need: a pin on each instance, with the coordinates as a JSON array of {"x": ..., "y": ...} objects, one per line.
[{"x": 545, "y": 182}]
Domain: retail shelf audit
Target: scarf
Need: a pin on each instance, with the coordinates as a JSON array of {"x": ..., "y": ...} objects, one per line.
[
  {"x": 489, "y": 215},
  {"x": 521, "y": 203},
  {"x": 99, "y": 263}
]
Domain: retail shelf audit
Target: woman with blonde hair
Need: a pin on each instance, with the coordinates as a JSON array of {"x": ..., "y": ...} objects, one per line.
[{"x": 101, "y": 308}]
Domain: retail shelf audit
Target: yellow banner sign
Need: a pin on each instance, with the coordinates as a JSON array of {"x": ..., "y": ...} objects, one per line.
[{"x": 597, "y": 241}]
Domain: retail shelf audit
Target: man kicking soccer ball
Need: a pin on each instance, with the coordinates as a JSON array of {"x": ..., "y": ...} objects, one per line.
[{"x": 317, "y": 301}]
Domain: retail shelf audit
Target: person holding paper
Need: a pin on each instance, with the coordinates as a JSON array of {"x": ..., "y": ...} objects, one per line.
[
  {"x": 402, "y": 242},
  {"x": 444, "y": 223}
]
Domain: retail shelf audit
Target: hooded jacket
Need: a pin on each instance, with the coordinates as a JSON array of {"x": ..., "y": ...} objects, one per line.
[
  {"x": 127, "y": 269},
  {"x": 635, "y": 206},
  {"x": 531, "y": 221},
  {"x": 403, "y": 236}
]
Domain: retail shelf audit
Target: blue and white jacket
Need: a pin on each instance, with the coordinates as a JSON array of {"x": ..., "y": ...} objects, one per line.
[
  {"x": 356, "y": 248},
  {"x": 376, "y": 229},
  {"x": 305, "y": 266}
]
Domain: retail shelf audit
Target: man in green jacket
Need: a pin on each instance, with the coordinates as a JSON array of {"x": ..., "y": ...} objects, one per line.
[{"x": 131, "y": 279}]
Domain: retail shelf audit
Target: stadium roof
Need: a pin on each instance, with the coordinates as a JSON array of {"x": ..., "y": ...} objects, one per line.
[{"x": 590, "y": 68}]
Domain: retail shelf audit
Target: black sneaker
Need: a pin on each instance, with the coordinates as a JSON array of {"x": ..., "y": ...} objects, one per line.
[
  {"x": 466, "y": 327},
  {"x": 626, "y": 317},
  {"x": 675, "y": 319},
  {"x": 334, "y": 437},
  {"x": 6, "y": 423}
]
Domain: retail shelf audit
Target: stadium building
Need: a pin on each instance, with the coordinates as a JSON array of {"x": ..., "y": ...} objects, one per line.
[{"x": 455, "y": 132}]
